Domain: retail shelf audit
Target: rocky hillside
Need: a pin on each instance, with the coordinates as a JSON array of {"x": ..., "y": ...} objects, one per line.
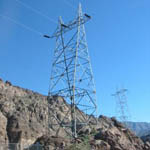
[
  {"x": 24, "y": 119},
  {"x": 108, "y": 135},
  {"x": 23, "y": 113}
]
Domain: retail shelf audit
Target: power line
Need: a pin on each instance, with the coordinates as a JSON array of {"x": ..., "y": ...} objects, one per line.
[
  {"x": 21, "y": 24},
  {"x": 36, "y": 11}
]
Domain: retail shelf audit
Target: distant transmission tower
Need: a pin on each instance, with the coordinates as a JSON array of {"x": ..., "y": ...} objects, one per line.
[
  {"x": 122, "y": 111},
  {"x": 72, "y": 77}
]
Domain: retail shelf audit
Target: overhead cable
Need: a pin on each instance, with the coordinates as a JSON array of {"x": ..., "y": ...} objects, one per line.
[
  {"x": 21, "y": 24},
  {"x": 36, "y": 11}
]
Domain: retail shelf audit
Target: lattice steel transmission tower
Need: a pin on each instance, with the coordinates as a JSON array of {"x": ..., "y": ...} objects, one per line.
[
  {"x": 122, "y": 110},
  {"x": 71, "y": 75}
]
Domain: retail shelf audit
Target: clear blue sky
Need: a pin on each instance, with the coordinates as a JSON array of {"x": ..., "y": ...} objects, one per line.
[{"x": 118, "y": 37}]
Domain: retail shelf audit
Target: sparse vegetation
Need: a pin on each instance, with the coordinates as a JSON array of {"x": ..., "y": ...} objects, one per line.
[{"x": 84, "y": 145}]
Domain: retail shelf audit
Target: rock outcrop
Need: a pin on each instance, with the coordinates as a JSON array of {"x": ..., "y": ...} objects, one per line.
[
  {"x": 3, "y": 127},
  {"x": 117, "y": 136},
  {"x": 108, "y": 135},
  {"x": 24, "y": 114},
  {"x": 24, "y": 119}
]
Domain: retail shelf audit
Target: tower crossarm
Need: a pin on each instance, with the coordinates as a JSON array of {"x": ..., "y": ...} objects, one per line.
[{"x": 71, "y": 25}]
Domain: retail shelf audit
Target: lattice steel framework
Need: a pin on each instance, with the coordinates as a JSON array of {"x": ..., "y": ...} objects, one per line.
[
  {"x": 71, "y": 74},
  {"x": 122, "y": 110}
]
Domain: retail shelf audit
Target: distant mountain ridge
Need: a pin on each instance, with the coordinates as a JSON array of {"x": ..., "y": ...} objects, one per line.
[{"x": 140, "y": 128}]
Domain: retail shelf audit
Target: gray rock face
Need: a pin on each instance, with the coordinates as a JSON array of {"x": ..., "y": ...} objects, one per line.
[
  {"x": 24, "y": 119},
  {"x": 117, "y": 136},
  {"x": 24, "y": 114},
  {"x": 3, "y": 126}
]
